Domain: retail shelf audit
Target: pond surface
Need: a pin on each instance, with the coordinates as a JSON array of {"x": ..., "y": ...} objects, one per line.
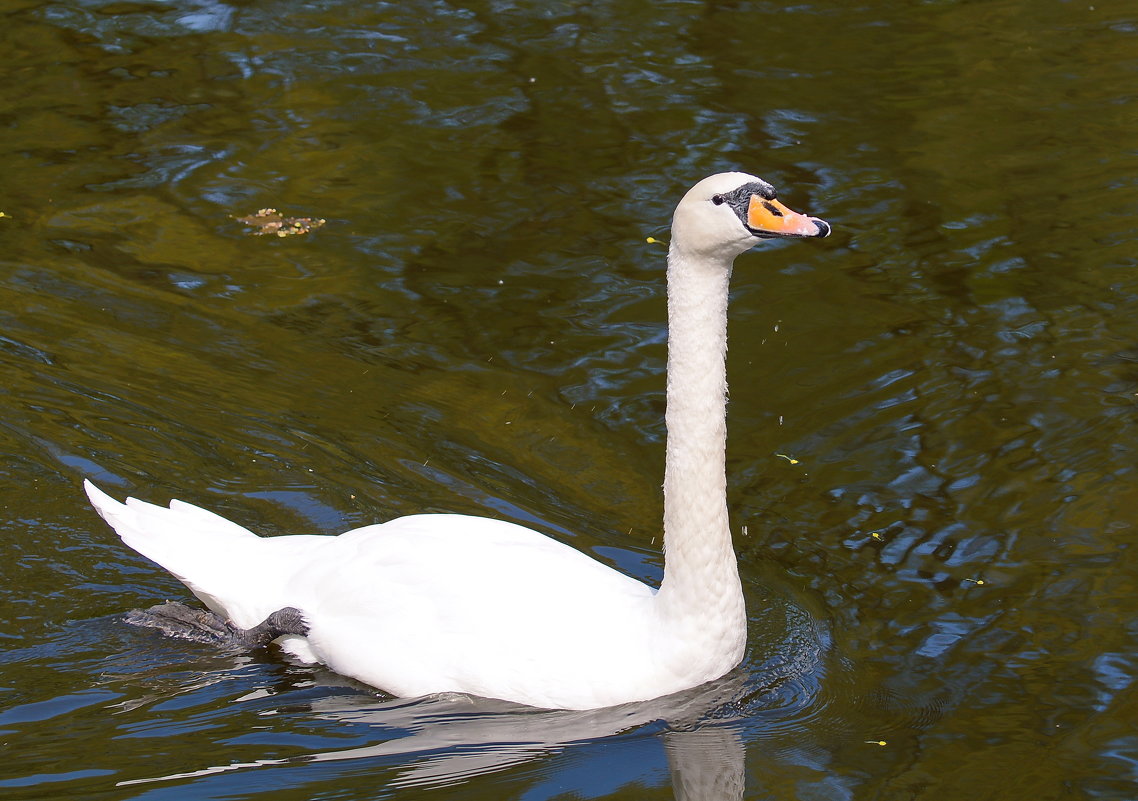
[{"x": 933, "y": 421}]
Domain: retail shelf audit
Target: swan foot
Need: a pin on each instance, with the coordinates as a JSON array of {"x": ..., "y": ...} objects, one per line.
[{"x": 201, "y": 625}]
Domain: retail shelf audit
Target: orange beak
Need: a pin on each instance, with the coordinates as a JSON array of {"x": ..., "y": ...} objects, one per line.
[{"x": 772, "y": 218}]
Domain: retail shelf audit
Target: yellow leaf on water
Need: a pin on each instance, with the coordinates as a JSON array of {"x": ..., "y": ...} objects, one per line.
[{"x": 271, "y": 221}]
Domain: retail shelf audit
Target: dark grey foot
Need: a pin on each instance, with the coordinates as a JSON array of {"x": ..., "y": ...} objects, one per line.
[{"x": 201, "y": 625}]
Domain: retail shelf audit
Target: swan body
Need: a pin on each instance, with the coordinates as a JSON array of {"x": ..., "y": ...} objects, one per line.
[{"x": 455, "y": 603}]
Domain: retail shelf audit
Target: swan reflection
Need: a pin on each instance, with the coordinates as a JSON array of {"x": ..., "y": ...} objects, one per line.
[{"x": 448, "y": 739}]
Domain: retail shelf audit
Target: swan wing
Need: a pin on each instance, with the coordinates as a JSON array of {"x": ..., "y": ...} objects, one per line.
[{"x": 431, "y": 603}]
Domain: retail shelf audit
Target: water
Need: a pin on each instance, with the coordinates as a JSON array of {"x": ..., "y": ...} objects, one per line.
[{"x": 932, "y": 441}]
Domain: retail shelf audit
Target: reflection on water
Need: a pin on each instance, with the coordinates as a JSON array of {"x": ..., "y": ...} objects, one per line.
[
  {"x": 446, "y": 740},
  {"x": 932, "y": 441},
  {"x": 310, "y": 728}
]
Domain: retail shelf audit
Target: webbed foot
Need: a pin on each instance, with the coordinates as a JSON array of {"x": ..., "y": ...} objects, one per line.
[{"x": 201, "y": 625}]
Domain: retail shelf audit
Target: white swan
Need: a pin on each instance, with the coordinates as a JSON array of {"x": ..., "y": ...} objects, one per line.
[{"x": 441, "y": 602}]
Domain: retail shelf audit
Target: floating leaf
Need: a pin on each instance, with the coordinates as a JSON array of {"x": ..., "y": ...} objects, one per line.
[{"x": 271, "y": 221}]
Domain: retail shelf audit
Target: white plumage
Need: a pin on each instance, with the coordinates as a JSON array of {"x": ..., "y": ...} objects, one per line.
[{"x": 455, "y": 603}]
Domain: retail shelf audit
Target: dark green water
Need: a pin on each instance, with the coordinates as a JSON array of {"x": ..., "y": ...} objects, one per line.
[{"x": 933, "y": 434}]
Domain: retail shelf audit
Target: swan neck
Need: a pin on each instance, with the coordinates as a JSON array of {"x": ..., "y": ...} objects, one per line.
[{"x": 701, "y": 580}]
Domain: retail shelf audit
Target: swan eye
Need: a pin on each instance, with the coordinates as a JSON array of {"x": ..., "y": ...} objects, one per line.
[{"x": 718, "y": 200}]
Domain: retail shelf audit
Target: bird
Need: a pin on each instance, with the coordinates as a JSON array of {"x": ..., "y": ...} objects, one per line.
[{"x": 449, "y": 603}]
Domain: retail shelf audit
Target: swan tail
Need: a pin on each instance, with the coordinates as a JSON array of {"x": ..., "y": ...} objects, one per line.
[{"x": 206, "y": 552}]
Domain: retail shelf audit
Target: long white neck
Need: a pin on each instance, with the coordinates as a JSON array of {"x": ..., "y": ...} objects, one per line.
[{"x": 700, "y": 594}]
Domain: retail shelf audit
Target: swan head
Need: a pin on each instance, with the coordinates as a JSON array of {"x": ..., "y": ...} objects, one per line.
[{"x": 729, "y": 213}]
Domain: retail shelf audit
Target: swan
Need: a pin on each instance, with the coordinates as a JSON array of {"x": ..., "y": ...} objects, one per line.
[{"x": 434, "y": 603}]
